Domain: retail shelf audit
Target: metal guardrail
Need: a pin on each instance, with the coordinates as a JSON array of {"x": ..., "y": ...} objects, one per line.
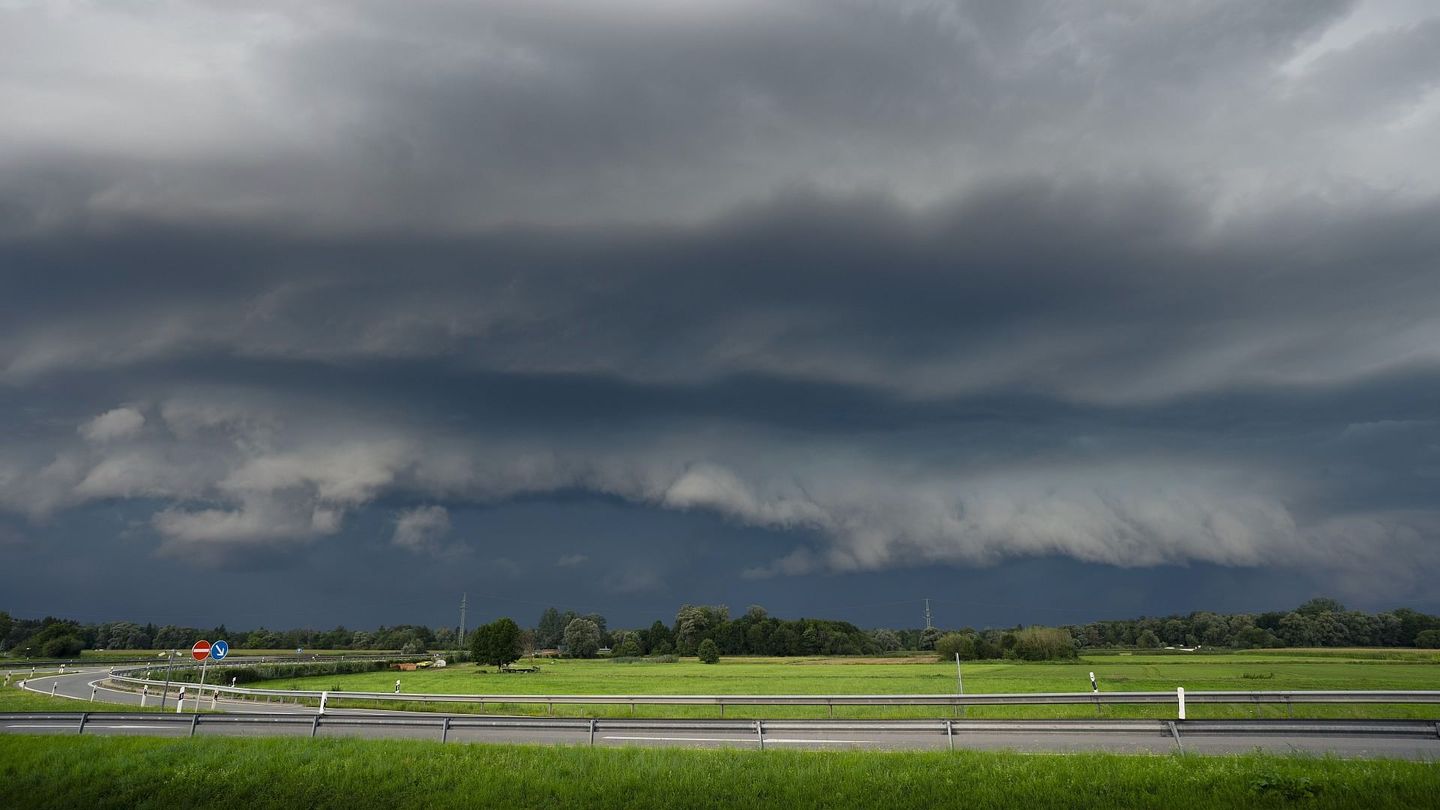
[{"x": 191, "y": 723}]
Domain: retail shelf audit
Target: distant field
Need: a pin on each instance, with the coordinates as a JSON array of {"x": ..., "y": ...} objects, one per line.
[
  {"x": 1247, "y": 671},
  {"x": 65, "y": 772}
]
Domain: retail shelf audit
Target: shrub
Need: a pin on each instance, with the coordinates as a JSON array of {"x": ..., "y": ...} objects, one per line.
[
  {"x": 62, "y": 647},
  {"x": 1044, "y": 644},
  {"x": 952, "y": 644},
  {"x": 708, "y": 652}
]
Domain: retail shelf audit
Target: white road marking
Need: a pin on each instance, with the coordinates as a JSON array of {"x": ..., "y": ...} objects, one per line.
[
  {"x": 683, "y": 739},
  {"x": 820, "y": 742},
  {"x": 741, "y": 740},
  {"x": 68, "y": 724}
]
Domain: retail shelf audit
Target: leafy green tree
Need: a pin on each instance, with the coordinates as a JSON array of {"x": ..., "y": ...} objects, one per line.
[
  {"x": 5, "y": 624},
  {"x": 1428, "y": 639},
  {"x": 1044, "y": 644},
  {"x": 928, "y": 637},
  {"x": 708, "y": 652},
  {"x": 62, "y": 647},
  {"x": 696, "y": 622},
  {"x": 885, "y": 640},
  {"x": 1319, "y": 605},
  {"x": 582, "y": 638},
  {"x": 1148, "y": 640},
  {"x": 629, "y": 648},
  {"x": 952, "y": 644},
  {"x": 497, "y": 643}
]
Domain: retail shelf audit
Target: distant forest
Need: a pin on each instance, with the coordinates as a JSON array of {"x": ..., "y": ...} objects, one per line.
[{"x": 1317, "y": 623}]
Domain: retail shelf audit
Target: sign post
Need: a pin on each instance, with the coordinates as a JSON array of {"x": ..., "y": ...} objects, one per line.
[
  {"x": 218, "y": 651},
  {"x": 201, "y": 652},
  {"x": 169, "y": 661}
]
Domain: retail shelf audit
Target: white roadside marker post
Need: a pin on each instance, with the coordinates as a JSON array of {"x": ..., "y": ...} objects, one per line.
[
  {"x": 1180, "y": 699},
  {"x": 960, "y": 685}
]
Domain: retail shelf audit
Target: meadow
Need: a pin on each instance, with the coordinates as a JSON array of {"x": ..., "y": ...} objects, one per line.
[
  {"x": 1240, "y": 671},
  {"x": 54, "y": 772}
]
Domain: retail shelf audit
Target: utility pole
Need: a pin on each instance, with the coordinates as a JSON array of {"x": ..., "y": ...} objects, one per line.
[{"x": 464, "y": 599}]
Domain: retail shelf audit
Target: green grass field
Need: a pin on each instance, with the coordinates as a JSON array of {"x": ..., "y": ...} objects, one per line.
[
  {"x": 1247, "y": 671},
  {"x": 52, "y": 772}
]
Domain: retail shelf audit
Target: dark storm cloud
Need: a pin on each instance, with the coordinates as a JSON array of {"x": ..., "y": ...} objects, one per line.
[
  {"x": 443, "y": 115},
  {"x": 886, "y": 285}
]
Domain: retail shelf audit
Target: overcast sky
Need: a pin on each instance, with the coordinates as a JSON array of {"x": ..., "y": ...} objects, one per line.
[{"x": 329, "y": 312}]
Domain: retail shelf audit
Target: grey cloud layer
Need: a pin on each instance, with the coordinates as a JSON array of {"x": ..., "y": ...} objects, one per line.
[
  {"x": 446, "y": 115},
  {"x": 909, "y": 283}
]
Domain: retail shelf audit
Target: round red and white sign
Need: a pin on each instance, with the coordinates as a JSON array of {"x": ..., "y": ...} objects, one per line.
[{"x": 201, "y": 650}]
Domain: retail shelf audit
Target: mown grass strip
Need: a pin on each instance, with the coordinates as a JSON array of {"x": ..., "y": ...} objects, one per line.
[{"x": 44, "y": 772}]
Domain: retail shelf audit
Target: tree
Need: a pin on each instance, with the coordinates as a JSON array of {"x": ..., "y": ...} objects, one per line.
[
  {"x": 582, "y": 638},
  {"x": 1044, "y": 644},
  {"x": 62, "y": 647},
  {"x": 952, "y": 644},
  {"x": 629, "y": 648},
  {"x": 709, "y": 653},
  {"x": 551, "y": 631},
  {"x": 658, "y": 634},
  {"x": 928, "y": 637},
  {"x": 695, "y": 622},
  {"x": 497, "y": 643},
  {"x": 885, "y": 640},
  {"x": 1318, "y": 605},
  {"x": 1429, "y": 639},
  {"x": 1148, "y": 640},
  {"x": 5, "y": 624}
]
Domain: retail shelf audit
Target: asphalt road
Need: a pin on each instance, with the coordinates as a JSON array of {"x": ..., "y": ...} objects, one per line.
[{"x": 290, "y": 720}]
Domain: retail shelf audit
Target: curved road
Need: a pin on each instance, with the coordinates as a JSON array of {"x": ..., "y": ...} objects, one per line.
[{"x": 291, "y": 720}]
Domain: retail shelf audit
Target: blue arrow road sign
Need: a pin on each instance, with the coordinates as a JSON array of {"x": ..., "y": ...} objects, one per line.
[{"x": 219, "y": 650}]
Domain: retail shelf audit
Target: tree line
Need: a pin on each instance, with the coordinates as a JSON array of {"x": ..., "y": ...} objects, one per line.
[{"x": 1317, "y": 623}]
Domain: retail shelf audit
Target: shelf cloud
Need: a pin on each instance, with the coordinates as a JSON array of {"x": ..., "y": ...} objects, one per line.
[{"x": 900, "y": 286}]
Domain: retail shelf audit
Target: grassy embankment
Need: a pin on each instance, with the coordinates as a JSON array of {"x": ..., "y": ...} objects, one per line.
[
  {"x": 14, "y": 699},
  {"x": 1247, "y": 671},
  {"x": 45, "y": 772}
]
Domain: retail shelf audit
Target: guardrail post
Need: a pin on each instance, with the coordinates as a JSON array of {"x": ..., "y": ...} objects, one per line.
[
  {"x": 831, "y": 705},
  {"x": 1175, "y": 732},
  {"x": 950, "y": 733},
  {"x": 1180, "y": 699},
  {"x": 445, "y": 730},
  {"x": 1289, "y": 709},
  {"x": 315, "y": 726},
  {"x": 722, "y": 708},
  {"x": 194, "y": 721},
  {"x": 83, "y": 717},
  {"x": 592, "y": 731},
  {"x": 760, "y": 732}
]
